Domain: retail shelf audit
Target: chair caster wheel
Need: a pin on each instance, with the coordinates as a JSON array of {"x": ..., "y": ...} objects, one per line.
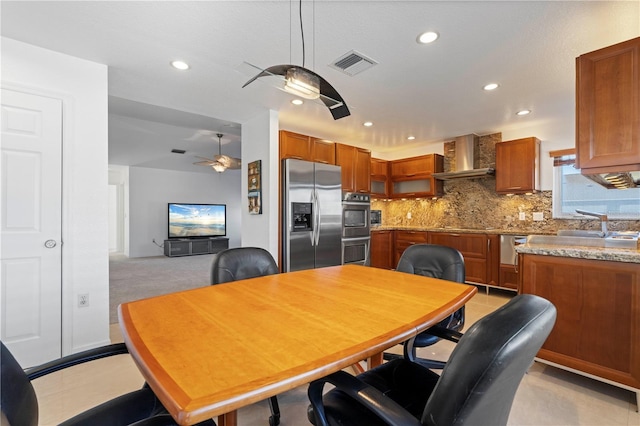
[{"x": 274, "y": 420}]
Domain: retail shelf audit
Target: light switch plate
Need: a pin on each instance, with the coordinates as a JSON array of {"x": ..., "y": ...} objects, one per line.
[
  {"x": 538, "y": 216},
  {"x": 522, "y": 216}
]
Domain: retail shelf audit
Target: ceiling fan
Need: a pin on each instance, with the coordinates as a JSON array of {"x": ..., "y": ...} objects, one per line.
[{"x": 220, "y": 162}]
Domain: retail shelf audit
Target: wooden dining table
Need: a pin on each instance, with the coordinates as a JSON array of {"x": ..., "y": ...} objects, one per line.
[{"x": 209, "y": 351}]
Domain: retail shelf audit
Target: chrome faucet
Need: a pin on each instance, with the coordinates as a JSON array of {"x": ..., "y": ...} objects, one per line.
[{"x": 603, "y": 220}]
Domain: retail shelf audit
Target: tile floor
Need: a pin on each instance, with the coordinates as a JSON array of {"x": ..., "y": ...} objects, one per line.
[{"x": 547, "y": 395}]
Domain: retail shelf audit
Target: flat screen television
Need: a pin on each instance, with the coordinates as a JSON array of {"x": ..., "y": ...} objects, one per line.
[{"x": 197, "y": 220}]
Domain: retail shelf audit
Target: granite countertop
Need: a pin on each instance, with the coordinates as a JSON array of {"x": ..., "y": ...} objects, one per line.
[
  {"x": 595, "y": 253},
  {"x": 489, "y": 231}
]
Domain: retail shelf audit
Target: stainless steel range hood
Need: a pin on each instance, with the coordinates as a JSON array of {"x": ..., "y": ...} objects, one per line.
[{"x": 464, "y": 161}]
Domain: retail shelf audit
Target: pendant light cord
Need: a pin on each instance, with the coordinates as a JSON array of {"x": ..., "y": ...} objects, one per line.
[{"x": 302, "y": 33}]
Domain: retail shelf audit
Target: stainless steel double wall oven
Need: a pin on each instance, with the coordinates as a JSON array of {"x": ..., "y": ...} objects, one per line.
[{"x": 356, "y": 228}]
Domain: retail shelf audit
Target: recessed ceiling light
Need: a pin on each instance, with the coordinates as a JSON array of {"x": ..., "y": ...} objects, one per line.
[
  {"x": 367, "y": 124},
  {"x": 491, "y": 86},
  {"x": 183, "y": 66},
  {"x": 428, "y": 37},
  {"x": 523, "y": 112},
  {"x": 411, "y": 138},
  {"x": 297, "y": 102}
]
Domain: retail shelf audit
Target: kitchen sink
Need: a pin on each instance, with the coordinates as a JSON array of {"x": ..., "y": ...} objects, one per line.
[
  {"x": 579, "y": 233},
  {"x": 573, "y": 238}
]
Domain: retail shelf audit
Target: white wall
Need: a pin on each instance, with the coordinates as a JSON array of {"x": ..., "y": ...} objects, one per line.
[
  {"x": 260, "y": 142},
  {"x": 150, "y": 190},
  {"x": 82, "y": 86}
]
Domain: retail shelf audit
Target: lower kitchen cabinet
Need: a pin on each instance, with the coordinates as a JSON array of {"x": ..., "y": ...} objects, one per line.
[
  {"x": 404, "y": 239},
  {"x": 480, "y": 251},
  {"x": 597, "y": 330},
  {"x": 509, "y": 276},
  {"x": 382, "y": 249}
]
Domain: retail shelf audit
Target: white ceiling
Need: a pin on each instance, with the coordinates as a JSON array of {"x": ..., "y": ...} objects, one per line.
[{"x": 433, "y": 92}]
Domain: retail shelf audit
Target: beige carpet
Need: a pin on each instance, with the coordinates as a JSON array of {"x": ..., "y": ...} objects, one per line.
[{"x": 142, "y": 277}]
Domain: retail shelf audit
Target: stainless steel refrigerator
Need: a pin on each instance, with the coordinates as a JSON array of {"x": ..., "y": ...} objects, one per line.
[{"x": 312, "y": 215}]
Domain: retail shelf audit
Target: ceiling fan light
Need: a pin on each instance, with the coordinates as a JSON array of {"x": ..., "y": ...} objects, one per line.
[
  {"x": 218, "y": 167},
  {"x": 301, "y": 83}
]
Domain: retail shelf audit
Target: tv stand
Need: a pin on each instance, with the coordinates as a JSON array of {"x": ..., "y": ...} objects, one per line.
[{"x": 190, "y": 247}]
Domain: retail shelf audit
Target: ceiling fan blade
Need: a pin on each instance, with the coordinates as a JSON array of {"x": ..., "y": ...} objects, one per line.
[
  {"x": 205, "y": 163},
  {"x": 236, "y": 163}
]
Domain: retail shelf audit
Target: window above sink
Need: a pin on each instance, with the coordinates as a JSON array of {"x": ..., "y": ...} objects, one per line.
[{"x": 572, "y": 190}]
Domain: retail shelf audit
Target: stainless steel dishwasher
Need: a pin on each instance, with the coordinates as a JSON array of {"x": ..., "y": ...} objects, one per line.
[{"x": 508, "y": 255}]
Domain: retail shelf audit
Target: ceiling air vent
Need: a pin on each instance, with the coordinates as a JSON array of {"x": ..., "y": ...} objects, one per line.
[
  {"x": 352, "y": 63},
  {"x": 178, "y": 151}
]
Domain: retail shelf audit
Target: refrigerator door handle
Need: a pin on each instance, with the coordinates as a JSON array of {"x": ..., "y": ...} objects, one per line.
[
  {"x": 312, "y": 234},
  {"x": 317, "y": 218}
]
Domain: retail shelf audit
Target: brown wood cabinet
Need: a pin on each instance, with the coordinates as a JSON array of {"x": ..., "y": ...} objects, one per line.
[
  {"x": 481, "y": 254},
  {"x": 412, "y": 177},
  {"x": 356, "y": 168},
  {"x": 608, "y": 109},
  {"x": 508, "y": 276},
  {"x": 379, "y": 178},
  {"x": 382, "y": 249},
  {"x": 323, "y": 151},
  {"x": 294, "y": 145},
  {"x": 303, "y": 147},
  {"x": 518, "y": 166},
  {"x": 597, "y": 330},
  {"x": 404, "y": 239}
]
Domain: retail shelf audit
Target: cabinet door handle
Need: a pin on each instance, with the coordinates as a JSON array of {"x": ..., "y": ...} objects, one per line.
[
  {"x": 295, "y": 157},
  {"x": 410, "y": 174},
  {"x": 322, "y": 161},
  {"x": 515, "y": 187}
]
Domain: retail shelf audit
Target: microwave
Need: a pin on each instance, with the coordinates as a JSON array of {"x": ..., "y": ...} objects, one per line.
[{"x": 376, "y": 217}]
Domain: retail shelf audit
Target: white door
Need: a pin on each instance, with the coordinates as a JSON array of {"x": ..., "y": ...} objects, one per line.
[{"x": 30, "y": 220}]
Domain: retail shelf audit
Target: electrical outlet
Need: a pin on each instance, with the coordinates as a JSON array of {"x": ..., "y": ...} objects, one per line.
[
  {"x": 522, "y": 216},
  {"x": 408, "y": 215},
  {"x": 538, "y": 216},
  {"x": 83, "y": 300}
]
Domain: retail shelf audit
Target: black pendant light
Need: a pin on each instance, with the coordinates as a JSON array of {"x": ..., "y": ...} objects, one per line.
[{"x": 305, "y": 83}]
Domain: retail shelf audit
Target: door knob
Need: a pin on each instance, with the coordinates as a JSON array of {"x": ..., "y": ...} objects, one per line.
[{"x": 50, "y": 243}]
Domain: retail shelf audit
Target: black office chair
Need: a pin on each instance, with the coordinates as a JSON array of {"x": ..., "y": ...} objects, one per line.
[
  {"x": 20, "y": 405},
  {"x": 242, "y": 263},
  {"x": 434, "y": 261},
  {"x": 477, "y": 386}
]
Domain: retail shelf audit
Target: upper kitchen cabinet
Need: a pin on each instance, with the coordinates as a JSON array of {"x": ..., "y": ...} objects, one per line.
[
  {"x": 608, "y": 109},
  {"x": 323, "y": 151},
  {"x": 518, "y": 166},
  {"x": 303, "y": 147},
  {"x": 294, "y": 145},
  {"x": 379, "y": 178},
  {"x": 412, "y": 177},
  {"x": 356, "y": 166}
]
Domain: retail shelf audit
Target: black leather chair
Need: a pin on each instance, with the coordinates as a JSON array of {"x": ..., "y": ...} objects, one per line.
[
  {"x": 242, "y": 263},
  {"x": 20, "y": 405},
  {"x": 434, "y": 261},
  {"x": 477, "y": 386}
]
